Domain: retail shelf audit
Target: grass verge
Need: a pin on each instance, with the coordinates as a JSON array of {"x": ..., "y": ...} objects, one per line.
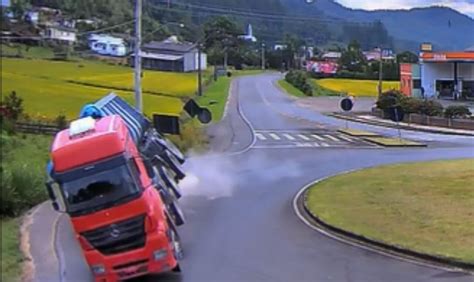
[
  {"x": 11, "y": 254},
  {"x": 427, "y": 207},
  {"x": 393, "y": 142},
  {"x": 290, "y": 89},
  {"x": 215, "y": 97}
]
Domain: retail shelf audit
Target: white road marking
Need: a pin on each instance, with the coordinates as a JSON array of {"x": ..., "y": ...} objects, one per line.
[
  {"x": 288, "y": 136},
  {"x": 260, "y": 136},
  {"x": 346, "y": 138},
  {"x": 316, "y": 144},
  {"x": 332, "y": 138},
  {"x": 317, "y": 137},
  {"x": 303, "y": 137},
  {"x": 324, "y": 144},
  {"x": 274, "y": 136}
]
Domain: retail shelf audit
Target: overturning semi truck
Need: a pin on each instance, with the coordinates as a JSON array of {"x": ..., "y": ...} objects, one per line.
[{"x": 116, "y": 177}]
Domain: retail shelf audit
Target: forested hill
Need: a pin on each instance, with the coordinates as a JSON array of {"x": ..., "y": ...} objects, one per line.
[
  {"x": 445, "y": 27},
  {"x": 333, "y": 23}
]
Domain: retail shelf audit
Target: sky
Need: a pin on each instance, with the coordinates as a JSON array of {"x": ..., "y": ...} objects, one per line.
[{"x": 463, "y": 6}]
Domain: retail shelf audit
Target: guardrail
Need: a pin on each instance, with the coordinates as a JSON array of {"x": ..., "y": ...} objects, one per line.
[{"x": 36, "y": 128}]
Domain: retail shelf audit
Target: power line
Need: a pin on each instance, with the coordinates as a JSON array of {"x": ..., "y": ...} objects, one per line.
[
  {"x": 107, "y": 28},
  {"x": 254, "y": 14}
]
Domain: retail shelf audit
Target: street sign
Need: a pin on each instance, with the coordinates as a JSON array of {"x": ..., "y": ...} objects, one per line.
[
  {"x": 205, "y": 116},
  {"x": 347, "y": 104},
  {"x": 166, "y": 124}
]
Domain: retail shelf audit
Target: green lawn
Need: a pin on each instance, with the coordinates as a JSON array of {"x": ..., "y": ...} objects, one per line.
[
  {"x": 290, "y": 89},
  {"x": 427, "y": 207},
  {"x": 215, "y": 97},
  {"x": 355, "y": 87},
  {"x": 11, "y": 254},
  {"x": 26, "y": 52}
]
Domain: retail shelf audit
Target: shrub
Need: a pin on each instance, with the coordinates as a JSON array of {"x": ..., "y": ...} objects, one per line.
[
  {"x": 389, "y": 99},
  {"x": 457, "y": 111},
  {"x": 299, "y": 79},
  {"x": 61, "y": 121},
  {"x": 411, "y": 105},
  {"x": 13, "y": 106},
  {"x": 431, "y": 108}
]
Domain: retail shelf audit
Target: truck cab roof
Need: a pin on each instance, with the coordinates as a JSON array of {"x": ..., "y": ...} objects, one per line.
[{"x": 88, "y": 141}]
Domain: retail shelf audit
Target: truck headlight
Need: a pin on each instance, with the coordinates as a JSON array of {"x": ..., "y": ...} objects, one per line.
[
  {"x": 98, "y": 269},
  {"x": 160, "y": 254}
]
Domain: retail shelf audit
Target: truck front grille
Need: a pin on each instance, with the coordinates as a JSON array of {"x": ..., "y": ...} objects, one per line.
[{"x": 118, "y": 237}]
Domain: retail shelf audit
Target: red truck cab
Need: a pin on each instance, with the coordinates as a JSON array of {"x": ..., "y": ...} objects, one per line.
[{"x": 116, "y": 211}]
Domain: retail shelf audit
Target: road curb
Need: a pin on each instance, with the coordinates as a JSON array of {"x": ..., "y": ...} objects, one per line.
[
  {"x": 344, "y": 117},
  {"x": 393, "y": 251}
]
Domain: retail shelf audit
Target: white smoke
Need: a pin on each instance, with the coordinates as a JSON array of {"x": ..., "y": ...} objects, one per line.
[
  {"x": 217, "y": 175},
  {"x": 208, "y": 176}
]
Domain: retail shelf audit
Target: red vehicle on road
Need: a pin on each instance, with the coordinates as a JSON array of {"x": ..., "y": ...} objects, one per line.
[{"x": 117, "y": 210}]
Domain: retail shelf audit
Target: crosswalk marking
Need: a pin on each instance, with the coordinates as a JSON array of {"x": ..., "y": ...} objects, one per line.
[
  {"x": 303, "y": 137},
  {"x": 260, "y": 136},
  {"x": 317, "y": 137},
  {"x": 345, "y": 138},
  {"x": 324, "y": 144},
  {"x": 288, "y": 136},
  {"x": 332, "y": 138},
  {"x": 274, "y": 136}
]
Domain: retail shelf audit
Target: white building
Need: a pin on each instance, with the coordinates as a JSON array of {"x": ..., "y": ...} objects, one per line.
[
  {"x": 60, "y": 34},
  {"x": 108, "y": 45},
  {"x": 448, "y": 75}
]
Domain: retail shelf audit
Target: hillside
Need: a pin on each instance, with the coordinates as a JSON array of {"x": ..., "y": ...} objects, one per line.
[{"x": 444, "y": 27}]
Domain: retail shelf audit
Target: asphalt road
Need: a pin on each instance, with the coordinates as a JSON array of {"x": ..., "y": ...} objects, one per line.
[{"x": 241, "y": 223}]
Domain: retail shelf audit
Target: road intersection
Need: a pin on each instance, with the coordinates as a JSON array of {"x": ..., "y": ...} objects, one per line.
[{"x": 266, "y": 149}]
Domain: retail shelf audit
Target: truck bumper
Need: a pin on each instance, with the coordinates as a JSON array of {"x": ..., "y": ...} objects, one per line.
[{"x": 156, "y": 257}]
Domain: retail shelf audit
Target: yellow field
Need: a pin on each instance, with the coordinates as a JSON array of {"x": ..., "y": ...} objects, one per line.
[
  {"x": 50, "y": 87},
  {"x": 356, "y": 87}
]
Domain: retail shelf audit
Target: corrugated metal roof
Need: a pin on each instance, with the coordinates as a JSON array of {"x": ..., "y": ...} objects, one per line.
[
  {"x": 163, "y": 57},
  {"x": 169, "y": 46}
]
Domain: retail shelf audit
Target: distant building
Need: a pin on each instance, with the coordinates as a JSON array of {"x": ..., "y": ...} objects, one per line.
[
  {"x": 331, "y": 56},
  {"x": 443, "y": 75},
  {"x": 249, "y": 35},
  {"x": 278, "y": 47},
  {"x": 375, "y": 55},
  {"x": 60, "y": 34},
  {"x": 104, "y": 44},
  {"x": 171, "y": 55}
]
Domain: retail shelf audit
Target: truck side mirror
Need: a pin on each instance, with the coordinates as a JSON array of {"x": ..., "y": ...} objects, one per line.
[
  {"x": 52, "y": 196},
  {"x": 166, "y": 124},
  {"x": 55, "y": 206}
]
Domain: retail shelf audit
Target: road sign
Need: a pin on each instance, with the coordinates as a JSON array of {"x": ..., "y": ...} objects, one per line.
[
  {"x": 347, "y": 104},
  {"x": 205, "y": 116}
]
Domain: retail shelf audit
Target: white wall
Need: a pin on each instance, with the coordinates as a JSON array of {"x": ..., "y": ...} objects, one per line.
[
  {"x": 59, "y": 34},
  {"x": 430, "y": 72}
]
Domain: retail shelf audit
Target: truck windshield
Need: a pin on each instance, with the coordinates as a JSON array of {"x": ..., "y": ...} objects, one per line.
[{"x": 99, "y": 187}]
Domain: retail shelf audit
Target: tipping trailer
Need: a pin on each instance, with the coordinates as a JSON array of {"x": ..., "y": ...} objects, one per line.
[{"x": 116, "y": 177}]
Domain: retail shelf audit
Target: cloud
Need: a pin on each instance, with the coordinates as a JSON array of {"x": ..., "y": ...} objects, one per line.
[{"x": 463, "y": 6}]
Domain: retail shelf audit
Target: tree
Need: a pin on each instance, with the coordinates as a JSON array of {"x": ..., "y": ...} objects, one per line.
[
  {"x": 352, "y": 59},
  {"x": 407, "y": 57},
  {"x": 221, "y": 36}
]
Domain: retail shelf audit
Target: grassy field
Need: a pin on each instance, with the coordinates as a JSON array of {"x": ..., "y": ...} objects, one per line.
[
  {"x": 26, "y": 52},
  {"x": 290, "y": 89},
  {"x": 356, "y": 87},
  {"x": 11, "y": 255},
  {"x": 427, "y": 207},
  {"x": 51, "y": 87}
]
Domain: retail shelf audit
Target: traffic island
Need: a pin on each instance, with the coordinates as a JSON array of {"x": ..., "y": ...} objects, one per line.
[
  {"x": 420, "y": 211},
  {"x": 358, "y": 133},
  {"x": 393, "y": 142}
]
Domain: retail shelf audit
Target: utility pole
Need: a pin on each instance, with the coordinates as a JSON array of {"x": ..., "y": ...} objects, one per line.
[
  {"x": 263, "y": 56},
  {"x": 199, "y": 70},
  {"x": 380, "y": 86},
  {"x": 138, "y": 59}
]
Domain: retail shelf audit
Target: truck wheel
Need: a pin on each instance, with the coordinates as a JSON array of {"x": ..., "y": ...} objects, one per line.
[{"x": 176, "y": 245}]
